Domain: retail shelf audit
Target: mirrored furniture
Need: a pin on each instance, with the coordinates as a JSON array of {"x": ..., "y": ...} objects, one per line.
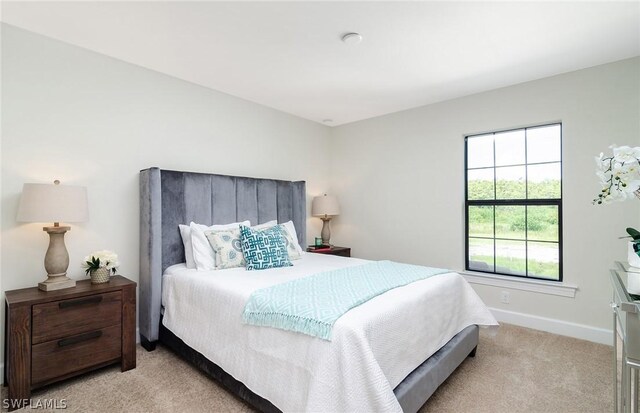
[{"x": 626, "y": 325}]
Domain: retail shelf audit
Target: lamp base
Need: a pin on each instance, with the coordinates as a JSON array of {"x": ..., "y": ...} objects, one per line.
[
  {"x": 326, "y": 230},
  {"x": 56, "y": 282},
  {"x": 56, "y": 261}
]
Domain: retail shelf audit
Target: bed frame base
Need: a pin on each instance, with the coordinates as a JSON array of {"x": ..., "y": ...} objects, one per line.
[
  {"x": 412, "y": 392},
  {"x": 146, "y": 344},
  {"x": 421, "y": 383},
  {"x": 214, "y": 371}
]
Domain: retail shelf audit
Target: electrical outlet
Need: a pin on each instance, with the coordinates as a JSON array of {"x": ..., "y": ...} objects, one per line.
[{"x": 505, "y": 297}]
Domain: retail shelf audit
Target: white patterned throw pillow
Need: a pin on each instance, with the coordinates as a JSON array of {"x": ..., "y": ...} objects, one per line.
[
  {"x": 226, "y": 244},
  {"x": 203, "y": 255},
  {"x": 291, "y": 241}
]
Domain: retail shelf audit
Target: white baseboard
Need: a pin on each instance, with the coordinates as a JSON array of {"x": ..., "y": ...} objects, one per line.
[
  {"x": 551, "y": 325},
  {"x": 2, "y": 364}
]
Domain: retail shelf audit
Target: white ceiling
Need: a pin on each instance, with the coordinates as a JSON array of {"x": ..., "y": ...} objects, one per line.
[{"x": 288, "y": 55}]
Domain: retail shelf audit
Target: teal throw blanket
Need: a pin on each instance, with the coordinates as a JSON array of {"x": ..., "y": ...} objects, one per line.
[{"x": 311, "y": 305}]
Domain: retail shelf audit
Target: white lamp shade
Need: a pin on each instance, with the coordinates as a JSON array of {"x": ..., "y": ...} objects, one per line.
[
  {"x": 325, "y": 205},
  {"x": 53, "y": 203}
]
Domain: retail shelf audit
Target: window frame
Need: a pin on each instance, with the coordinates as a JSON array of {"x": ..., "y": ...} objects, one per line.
[{"x": 514, "y": 202}]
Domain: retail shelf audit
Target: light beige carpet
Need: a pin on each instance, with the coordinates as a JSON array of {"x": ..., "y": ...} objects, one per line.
[{"x": 517, "y": 370}]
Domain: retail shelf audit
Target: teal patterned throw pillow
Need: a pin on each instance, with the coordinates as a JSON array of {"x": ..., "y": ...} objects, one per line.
[{"x": 265, "y": 248}]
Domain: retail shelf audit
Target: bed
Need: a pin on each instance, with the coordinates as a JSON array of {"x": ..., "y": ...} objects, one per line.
[{"x": 388, "y": 354}]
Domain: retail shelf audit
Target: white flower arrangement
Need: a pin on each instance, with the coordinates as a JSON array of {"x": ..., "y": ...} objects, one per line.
[
  {"x": 101, "y": 259},
  {"x": 620, "y": 178},
  {"x": 619, "y": 175}
]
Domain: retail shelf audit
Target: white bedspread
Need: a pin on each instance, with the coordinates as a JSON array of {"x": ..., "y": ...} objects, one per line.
[{"x": 374, "y": 346}]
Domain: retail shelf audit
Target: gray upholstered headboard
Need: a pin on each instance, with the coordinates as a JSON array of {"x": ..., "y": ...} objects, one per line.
[{"x": 170, "y": 198}]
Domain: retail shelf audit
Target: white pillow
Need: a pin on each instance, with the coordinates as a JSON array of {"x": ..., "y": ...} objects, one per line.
[
  {"x": 203, "y": 255},
  {"x": 185, "y": 233},
  {"x": 294, "y": 235},
  {"x": 265, "y": 225}
]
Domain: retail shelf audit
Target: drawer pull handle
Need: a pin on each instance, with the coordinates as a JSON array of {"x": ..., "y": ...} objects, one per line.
[
  {"x": 71, "y": 303},
  {"x": 79, "y": 339}
]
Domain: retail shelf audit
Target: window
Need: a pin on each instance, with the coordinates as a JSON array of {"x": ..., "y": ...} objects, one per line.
[{"x": 514, "y": 202}]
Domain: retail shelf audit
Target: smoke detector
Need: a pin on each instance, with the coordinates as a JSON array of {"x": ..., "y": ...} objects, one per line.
[{"x": 352, "y": 38}]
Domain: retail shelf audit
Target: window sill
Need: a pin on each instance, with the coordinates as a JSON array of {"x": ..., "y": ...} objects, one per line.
[{"x": 537, "y": 286}]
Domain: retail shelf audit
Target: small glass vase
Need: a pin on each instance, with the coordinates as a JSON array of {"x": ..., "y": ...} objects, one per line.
[
  {"x": 632, "y": 256},
  {"x": 100, "y": 276}
]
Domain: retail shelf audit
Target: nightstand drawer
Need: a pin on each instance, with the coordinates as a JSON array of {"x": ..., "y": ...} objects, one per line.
[
  {"x": 72, "y": 354},
  {"x": 78, "y": 315}
]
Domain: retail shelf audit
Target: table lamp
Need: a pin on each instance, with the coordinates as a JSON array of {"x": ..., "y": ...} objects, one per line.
[
  {"x": 325, "y": 207},
  {"x": 54, "y": 203}
]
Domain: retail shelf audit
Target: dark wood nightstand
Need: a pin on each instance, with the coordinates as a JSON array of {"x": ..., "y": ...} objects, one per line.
[
  {"x": 340, "y": 251},
  {"x": 54, "y": 335}
]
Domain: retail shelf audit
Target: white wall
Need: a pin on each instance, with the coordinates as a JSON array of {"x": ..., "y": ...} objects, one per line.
[
  {"x": 400, "y": 181},
  {"x": 90, "y": 120}
]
